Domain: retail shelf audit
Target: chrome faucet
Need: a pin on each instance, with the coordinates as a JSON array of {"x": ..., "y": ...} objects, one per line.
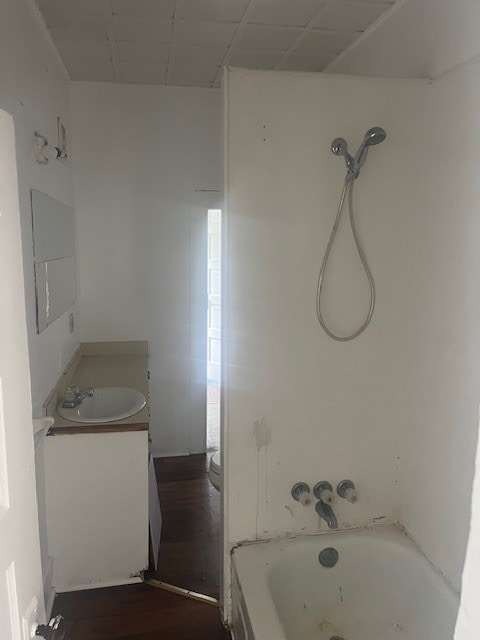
[
  {"x": 323, "y": 492},
  {"x": 325, "y": 511},
  {"x": 74, "y": 396}
]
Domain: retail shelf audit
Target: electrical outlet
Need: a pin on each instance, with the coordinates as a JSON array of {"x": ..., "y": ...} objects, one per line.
[
  {"x": 30, "y": 620},
  {"x": 72, "y": 323}
]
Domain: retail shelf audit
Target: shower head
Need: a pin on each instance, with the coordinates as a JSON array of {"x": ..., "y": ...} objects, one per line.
[
  {"x": 375, "y": 135},
  {"x": 339, "y": 147}
]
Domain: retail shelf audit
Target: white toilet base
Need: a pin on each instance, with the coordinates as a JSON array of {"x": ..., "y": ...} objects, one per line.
[{"x": 214, "y": 471}]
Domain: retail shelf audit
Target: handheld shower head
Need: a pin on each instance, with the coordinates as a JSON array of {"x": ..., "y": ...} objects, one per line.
[{"x": 375, "y": 135}]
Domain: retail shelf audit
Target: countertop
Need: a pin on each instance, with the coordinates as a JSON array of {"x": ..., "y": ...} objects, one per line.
[{"x": 103, "y": 370}]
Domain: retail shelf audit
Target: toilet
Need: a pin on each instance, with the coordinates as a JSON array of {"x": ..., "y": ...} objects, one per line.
[{"x": 215, "y": 470}]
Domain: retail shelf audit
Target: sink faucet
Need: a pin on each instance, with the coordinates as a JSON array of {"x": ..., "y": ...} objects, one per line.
[
  {"x": 325, "y": 511},
  {"x": 74, "y": 396}
]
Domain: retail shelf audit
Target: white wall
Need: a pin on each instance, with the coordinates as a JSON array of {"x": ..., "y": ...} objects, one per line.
[
  {"x": 437, "y": 38},
  {"x": 34, "y": 90},
  {"x": 468, "y": 621},
  {"x": 403, "y": 397},
  {"x": 416, "y": 39},
  {"x": 139, "y": 153},
  {"x": 331, "y": 410},
  {"x": 439, "y": 439}
]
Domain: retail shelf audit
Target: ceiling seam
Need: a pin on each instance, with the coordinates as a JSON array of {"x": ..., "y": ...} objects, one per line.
[
  {"x": 386, "y": 15},
  {"x": 178, "y": 17},
  {"x": 40, "y": 19},
  {"x": 306, "y": 30},
  {"x": 236, "y": 37},
  {"x": 111, "y": 37}
]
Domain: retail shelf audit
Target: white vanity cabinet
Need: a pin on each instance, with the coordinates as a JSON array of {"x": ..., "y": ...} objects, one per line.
[
  {"x": 97, "y": 477},
  {"x": 97, "y": 508}
]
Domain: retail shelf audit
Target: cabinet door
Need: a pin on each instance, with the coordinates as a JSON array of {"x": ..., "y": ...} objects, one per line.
[{"x": 154, "y": 513}]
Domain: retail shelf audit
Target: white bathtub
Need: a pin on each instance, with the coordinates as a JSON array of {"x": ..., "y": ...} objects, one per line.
[{"x": 382, "y": 588}]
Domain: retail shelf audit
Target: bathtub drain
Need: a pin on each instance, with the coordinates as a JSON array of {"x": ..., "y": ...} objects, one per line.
[{"x": 328, "y": 558}]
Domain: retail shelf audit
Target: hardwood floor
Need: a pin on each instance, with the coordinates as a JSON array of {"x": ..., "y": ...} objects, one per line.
[
  {"x": 189, "y": 558},
  {"x": 190, "y": 545}
]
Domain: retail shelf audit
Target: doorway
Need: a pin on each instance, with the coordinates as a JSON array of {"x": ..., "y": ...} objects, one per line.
[
  {"x": 190, "y": 557},
  {"x": 214, "y": 319}
]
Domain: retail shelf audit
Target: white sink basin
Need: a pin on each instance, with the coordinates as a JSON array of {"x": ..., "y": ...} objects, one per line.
[{"x": 107, "y": 404}]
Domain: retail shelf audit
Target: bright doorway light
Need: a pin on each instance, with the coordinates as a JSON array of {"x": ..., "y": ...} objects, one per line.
[{"x": 214, "y": 337}]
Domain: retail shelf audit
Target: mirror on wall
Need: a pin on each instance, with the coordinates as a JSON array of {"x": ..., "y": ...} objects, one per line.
[{"x": 54, "y": 257}]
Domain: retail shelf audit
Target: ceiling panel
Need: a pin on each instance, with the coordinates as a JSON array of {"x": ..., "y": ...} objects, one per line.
[
  {"x": 325, "y": 42},
  {"x": 296, "y": 13},
  {"x": 187, "y": 42},
  {"x": 255, "y": 59},
  {"x": 70, "y": 6},
  {"x": 146, "y": 52},
  {"x": 81, "y": 49},
  {"x": 87, "y": 26},
  {"x": 142, "y": 29},
  {"x": 141, "y": 73},
  {"x": 390, "y": 2},
  {"x": 350, "y": 16},
  {"x": 199, "y": 56},
  {"x": 215, "y": 34},
  {"x": 194, "y": 76},
  {"x": 261, "y": 38},
  {"x": 215, "y": 10},
  {"x": 140, "y": 8},
  {"x": 91, "y": 70},
  {"x": 298, "y": 62}
]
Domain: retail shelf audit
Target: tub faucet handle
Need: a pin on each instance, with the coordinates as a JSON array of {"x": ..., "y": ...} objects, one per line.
[
  {"x": 301, "y": 493},
  {"x": 323, "y": 491},
  {"x": 346, "y": 489}
]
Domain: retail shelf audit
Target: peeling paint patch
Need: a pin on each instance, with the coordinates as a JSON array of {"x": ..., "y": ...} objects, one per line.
[{"x": 263, "y": 435}]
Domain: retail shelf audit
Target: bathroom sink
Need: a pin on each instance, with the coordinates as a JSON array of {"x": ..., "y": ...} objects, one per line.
[{"x": 107, "y": 404}]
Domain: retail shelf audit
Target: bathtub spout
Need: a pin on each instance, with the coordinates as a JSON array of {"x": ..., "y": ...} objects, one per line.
[{"x": 325, "y": 511}]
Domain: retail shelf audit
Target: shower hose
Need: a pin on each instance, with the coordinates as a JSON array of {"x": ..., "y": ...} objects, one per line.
[{"x": 347, "y": 190}]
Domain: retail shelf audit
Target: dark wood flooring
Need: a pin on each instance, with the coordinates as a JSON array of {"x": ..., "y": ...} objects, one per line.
[
  {"x": 190, "y": 545},
  {"x": 189, "y": 558}
]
